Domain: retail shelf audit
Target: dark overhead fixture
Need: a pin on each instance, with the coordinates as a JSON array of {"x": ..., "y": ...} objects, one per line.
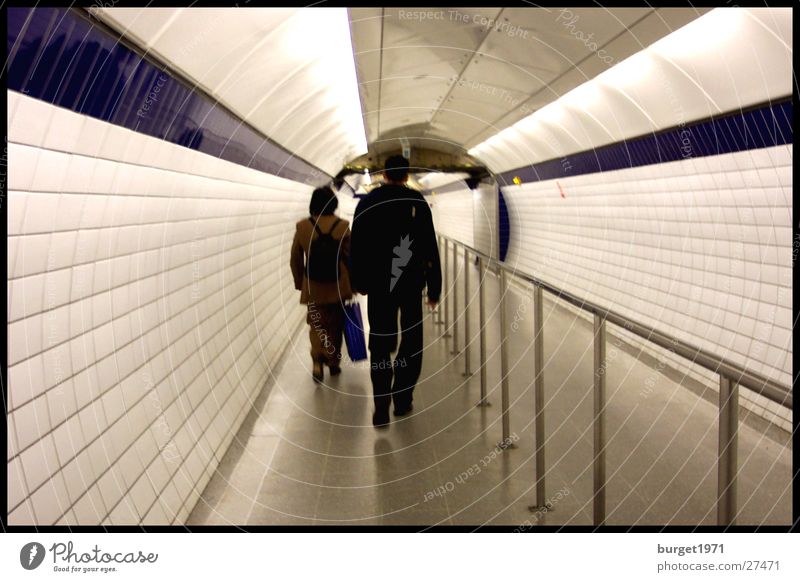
[{"x": 472, "y": 182}]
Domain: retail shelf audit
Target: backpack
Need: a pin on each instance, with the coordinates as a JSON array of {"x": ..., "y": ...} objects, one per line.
[{"x": 323, "y": 256}]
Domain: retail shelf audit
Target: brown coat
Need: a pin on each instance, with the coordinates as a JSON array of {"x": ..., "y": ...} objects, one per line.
[{"x": 311, "y": 291}]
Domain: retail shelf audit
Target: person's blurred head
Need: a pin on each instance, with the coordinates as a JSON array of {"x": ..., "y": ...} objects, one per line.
[
  {"x": 323, "y": 201},
  {"x": 396, "y": 169}
]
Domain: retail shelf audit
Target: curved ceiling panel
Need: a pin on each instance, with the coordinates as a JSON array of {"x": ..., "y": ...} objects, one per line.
[
  {"x": 433, "y": 180},
  {"x": 456, "y": 79},
  {"x": 724, "y": 61},
  {"x": 451, "y": 77},
  {"x": 288, "y": 72}
]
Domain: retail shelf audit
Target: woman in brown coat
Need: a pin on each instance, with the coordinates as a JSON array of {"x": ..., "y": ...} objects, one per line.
[{"x": 323, "y": 287}]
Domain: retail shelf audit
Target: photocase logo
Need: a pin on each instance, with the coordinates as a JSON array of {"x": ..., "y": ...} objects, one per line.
[
  {"x": 31, "y": 555},
  {"x": 402, "y": 254}
]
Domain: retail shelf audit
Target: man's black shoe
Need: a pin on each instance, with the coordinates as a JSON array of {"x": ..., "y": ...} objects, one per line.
[
  {"x": 380, "y": 419},
  {"x": 402, "y": 411}
]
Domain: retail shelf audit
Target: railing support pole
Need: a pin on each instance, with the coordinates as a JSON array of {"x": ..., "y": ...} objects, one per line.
[
  {"x": 538, "y": 399},
  {"x": 456, "y": 315},
  {"x": 446, "y": 289},
  {"x": 727, "y": 465},
  {"x": 506, "y": 420},
  {"x": 727, "y": 461},
  {"x": 438, "y": 312},
  {"x": 467, "y": 341},
  {"x": 599, "y": 424},
  {"x": 482, "y": 325}
]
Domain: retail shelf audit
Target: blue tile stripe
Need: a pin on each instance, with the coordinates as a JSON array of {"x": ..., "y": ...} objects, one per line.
[
  {"x": 59, "y": 55},
  {"x": 504, "y": 225},
  {"x": 759, "y": 127}
]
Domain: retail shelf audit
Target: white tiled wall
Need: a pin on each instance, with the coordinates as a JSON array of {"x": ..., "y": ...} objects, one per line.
[
  {"x": 149, "y": 297},
  {"x": 699, "y": 248},
  {"x": 486, "y": 225},
  {"x": 469, "y": 216},
  {"x": 453, "y": 214}
]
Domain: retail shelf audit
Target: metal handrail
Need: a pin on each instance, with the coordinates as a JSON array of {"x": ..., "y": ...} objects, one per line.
[
  {"x": 731, "y": 376},
  {"x": 775, "y": 391}
]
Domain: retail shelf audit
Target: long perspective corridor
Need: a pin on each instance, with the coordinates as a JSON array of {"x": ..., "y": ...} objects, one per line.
[
  {"x": 592, "y": 205},
  {"x": 308, "y": 454}
]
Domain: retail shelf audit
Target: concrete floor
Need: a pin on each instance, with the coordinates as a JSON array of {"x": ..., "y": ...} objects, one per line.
[{"x": 310, "y": 456}]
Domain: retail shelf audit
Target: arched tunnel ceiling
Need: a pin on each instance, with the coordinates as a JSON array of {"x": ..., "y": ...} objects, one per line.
[
  {"x": 725, "y": 61},
  {"x": 440, "y": 79},
  {"x": 289, "y": 72},
  {"x": 448, "y": 78}
]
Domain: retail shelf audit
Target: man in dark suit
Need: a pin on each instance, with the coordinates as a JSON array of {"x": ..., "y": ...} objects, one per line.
[{"x": 394, "y": 256}]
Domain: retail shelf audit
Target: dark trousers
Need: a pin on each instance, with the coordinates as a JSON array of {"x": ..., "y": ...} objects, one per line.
[
  {"x": 325, "y": 328},
  {"x": 394, "y": 380}
]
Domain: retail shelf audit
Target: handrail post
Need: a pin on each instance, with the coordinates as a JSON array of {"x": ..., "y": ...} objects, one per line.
[
  {"x": 467, "y": 341},
  {"x": 482, "y": 324},
  {"x": 446, "y": 289},
  {"x": 538, "y": 399},
  {"x": 506, "y": 420},
  {"x": 598, "y": 423},
  {"x": 455, "y": 299},
  {"x": 438, "y": 312},
  {"x": 727, "y": 460}
]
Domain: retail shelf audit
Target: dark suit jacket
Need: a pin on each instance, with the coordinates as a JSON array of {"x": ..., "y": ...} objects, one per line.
[{"x": 393, "y": 246}]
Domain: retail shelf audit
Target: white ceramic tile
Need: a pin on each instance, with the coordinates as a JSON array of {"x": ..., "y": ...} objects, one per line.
[
  {"x": 102, "y": 177},
  {"x": 129, "y": 467},
  {"x": 90, "y": 508},
  {"x": 156, "y": 516},
  {"x": 61, "y": 249},
  {"x": 124, "y": 513},
  {"x": 22, "y": 161},
  {"x": 112, "y": 487},
  {"x": 70, "y": 209},
  {"x": 142, "y": 495},
  {"x": 51, "y": 501},
  {"x": 14, "y": 99},
  {"x": 115, "y": 141},
  {"x": 15, "y": 214},
  {"x": 32, "y": 421},
  {"x": 40, "y": 213},
  {"x": 78, "y": 476},
  {"x": 23, "y": 514},
  {"x": 65, "y": 127},
  {"x": 33, "y": 255},
  {"x": 92, "y": 137},
  {"x": 134, "y": 147},
  {"x": 26, "y": 381},
  {"x": 57, "y": 286},
  {"x": 51, "y": 170},
  {"x": 150, "y": 155},
  {"x": 68, "y": 519},
  {"x": 17, "y": 491},
  {"x": 78, "y": 176},
  {"x": 31, "y": 121},
  {"x": 39, "y": 462}
]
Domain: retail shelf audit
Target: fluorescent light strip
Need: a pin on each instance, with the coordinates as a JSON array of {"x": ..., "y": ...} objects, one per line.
[{"x": 709, "y": 31}]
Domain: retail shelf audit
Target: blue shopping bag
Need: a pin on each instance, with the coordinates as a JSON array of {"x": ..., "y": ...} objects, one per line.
[{"x": 354, "y": 332}]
